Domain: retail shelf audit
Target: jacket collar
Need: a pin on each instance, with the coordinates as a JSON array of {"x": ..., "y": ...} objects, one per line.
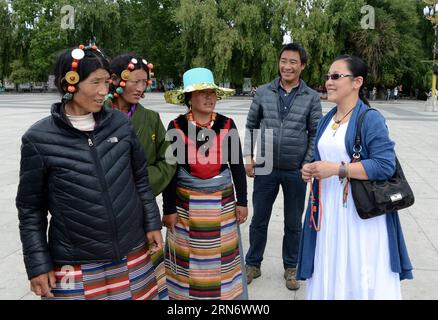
[
  {"x": 58, "y": 113},
  {"x": 303, "y": 88}
]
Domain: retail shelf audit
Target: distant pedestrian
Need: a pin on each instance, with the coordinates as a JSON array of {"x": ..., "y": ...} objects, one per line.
[{"x": 395, "y": 93}]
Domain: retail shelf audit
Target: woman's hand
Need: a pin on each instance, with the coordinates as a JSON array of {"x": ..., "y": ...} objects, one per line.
[
  {"x": 323, "y": 169},
  {"x": 241, "y": 214},
  {"x": 155, "y": 241},
  {"x": 170, "y": 220},
  {"x": 43, "y": 284}
]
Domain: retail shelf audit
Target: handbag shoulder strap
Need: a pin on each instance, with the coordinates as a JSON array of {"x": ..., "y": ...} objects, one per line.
[{"x": 357, "y": 148}]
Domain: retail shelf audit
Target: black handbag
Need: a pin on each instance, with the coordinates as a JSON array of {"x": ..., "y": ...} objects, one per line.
[{"x": 374, "y": 198}]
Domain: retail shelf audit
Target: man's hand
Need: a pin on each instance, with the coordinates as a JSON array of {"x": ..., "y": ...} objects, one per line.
[
  {"x": 155, "y": 241},
  {"x": 249, "y": 167},
  {"x": 43, "y": 284},
  {"x": 241, "y": 214},
  {"x": 306, "y": 172}
]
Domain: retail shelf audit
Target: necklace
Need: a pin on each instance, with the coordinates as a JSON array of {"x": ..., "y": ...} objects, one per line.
[
  {"x": 207, "y": 125},
  {"x": 337, "y": 123}
]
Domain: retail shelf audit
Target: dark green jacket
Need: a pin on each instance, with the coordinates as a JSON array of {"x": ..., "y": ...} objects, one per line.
[{"x": 152, "y": 136}]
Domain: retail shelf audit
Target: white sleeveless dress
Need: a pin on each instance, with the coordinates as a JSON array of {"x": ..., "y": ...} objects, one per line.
[{"x": 352, "y": 255}]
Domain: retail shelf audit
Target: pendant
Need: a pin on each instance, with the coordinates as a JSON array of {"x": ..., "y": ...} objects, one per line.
[{"x": 335, "y": 126}]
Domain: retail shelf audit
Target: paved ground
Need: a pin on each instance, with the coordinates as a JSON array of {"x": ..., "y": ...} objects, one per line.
[{"x": 412, "y": 125}]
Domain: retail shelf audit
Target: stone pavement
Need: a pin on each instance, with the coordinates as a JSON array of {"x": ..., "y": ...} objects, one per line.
[{"x": 412, "y": 126}]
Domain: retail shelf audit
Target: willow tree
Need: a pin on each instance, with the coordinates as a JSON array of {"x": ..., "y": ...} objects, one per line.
[
  {"x": 235, "y": 38},
  {"x": 323, "y": 27},
  {"x": 6, "y": 54},
  {"x": 152, "y": 32},
  {"x": 40, "y": 36},
  {"x": 98, "y": 19},
  {"x": 393, "y": 49}
]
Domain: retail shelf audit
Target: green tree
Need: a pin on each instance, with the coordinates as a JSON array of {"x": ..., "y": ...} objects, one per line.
[
  {"x": 393, "y": 49},
  {"x": 236, "y": 39},
  {"x": 37, "y": 35},
  {"x": 323, "y": 27},
  {"x": 151, "y": 32},
  {"x": 20, "y": 73},
  {"x": 6, "y": 54}
]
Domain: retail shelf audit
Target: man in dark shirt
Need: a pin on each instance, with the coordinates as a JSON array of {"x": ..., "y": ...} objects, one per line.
[{"x": 290, "y": 111}]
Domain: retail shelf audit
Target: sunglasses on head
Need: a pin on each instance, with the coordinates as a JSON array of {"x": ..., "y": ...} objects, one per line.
[{"x": 336, "y": 76}]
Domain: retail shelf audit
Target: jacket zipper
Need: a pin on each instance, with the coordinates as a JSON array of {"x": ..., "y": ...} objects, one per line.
[
  {"x": 281, "y": 133},
  {"x": 281, "y": 126},
  {"x": 106, "y": 197},
  {"x": 279, "y": 144}
]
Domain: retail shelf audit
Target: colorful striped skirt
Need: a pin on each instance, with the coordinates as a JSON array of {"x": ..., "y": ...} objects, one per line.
[
  {"x": 138, "y": 276},
  {"x": 203, "y": 255}
]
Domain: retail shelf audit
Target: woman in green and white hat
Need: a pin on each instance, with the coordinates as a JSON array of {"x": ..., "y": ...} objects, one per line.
[{"x": 207, "y": 199}]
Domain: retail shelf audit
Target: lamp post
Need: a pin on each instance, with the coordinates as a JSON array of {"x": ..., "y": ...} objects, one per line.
[{"x": 431, "y": 13}]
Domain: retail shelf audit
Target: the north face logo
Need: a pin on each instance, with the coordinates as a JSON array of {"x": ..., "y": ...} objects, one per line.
[{"x": 113, "y": 140}]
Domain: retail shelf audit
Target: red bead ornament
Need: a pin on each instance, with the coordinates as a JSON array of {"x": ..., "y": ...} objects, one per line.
[
  {"x": 71, "y": 89},
  {"x": 150, "y": 66},
  {"x": 75, "y": 65},
  {"x": 123, "y": 84},
  {"x": 149, "y": 82},
  {"x": 94, "y": 47},
  {"x": 82, "y": 47},
  {"x": 116, "y": 95},
  {"x": 131, "y": 66}
]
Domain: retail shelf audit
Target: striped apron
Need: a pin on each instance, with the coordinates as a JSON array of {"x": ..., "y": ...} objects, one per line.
[
  {"x": 138, "y": 276},
  {"x": 204, "y": 254}
]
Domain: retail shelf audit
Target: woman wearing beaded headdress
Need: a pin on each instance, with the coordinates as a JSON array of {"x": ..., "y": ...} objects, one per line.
[
  {"x": 85, "y": 166},
  {"x": 130, "y": 76}
]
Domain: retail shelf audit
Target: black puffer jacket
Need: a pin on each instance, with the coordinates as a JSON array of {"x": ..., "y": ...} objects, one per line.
[
  {"x": 95, "y": 187},
  {"x": 290, "y": 144}
]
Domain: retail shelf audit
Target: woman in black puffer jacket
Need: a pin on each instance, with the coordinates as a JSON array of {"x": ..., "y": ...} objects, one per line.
[{"x": 85, "y": 166}]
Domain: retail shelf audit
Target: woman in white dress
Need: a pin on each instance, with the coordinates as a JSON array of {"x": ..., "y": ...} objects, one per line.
[{"x": 343, "y": 256}]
